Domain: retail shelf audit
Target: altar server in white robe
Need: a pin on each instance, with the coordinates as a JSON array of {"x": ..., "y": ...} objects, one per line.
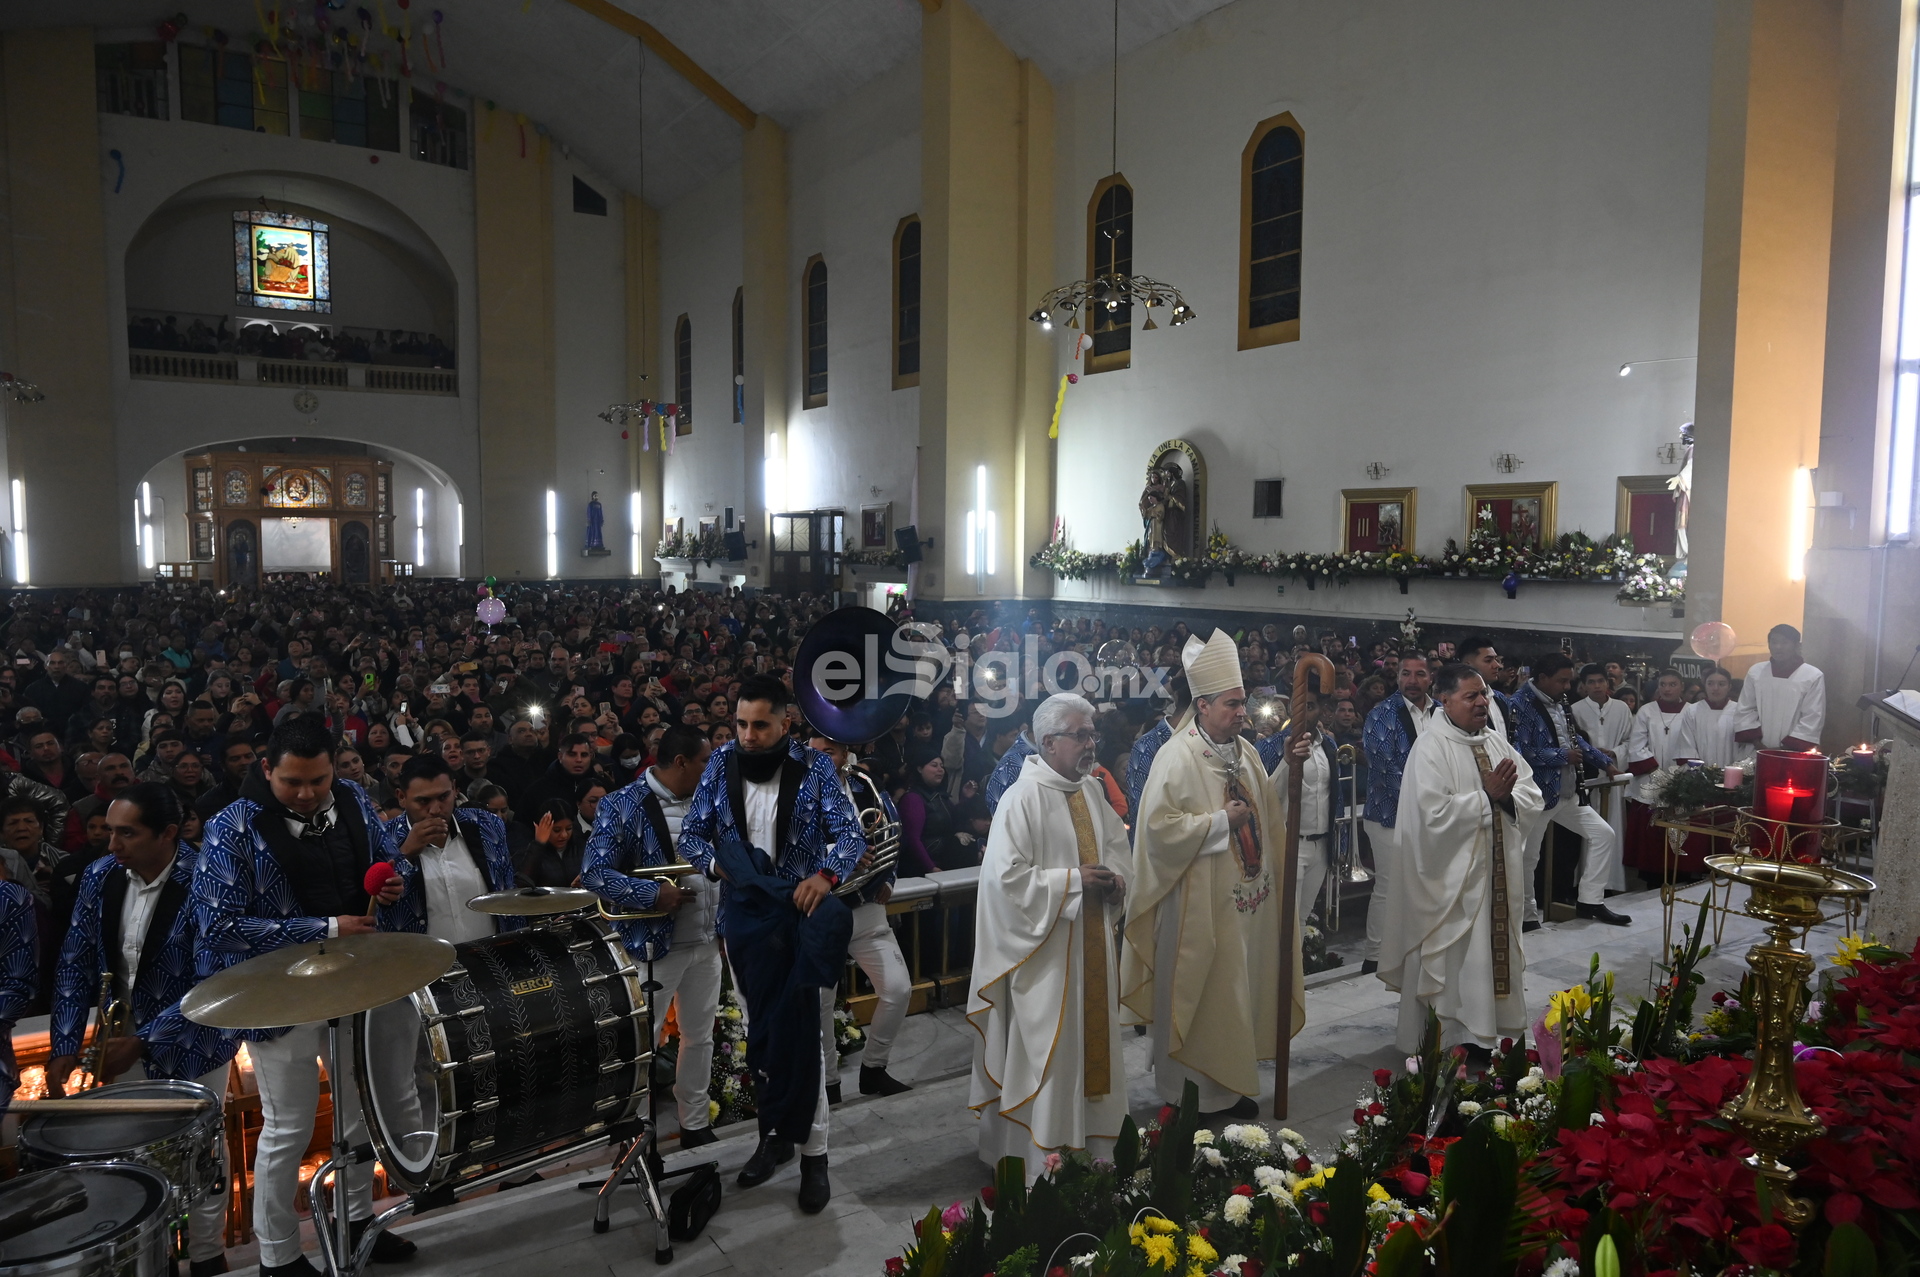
[
  {"x": 1467, "y": 804},
  {"x": 1607, "y": 723},
  {"x": 1652, "y": 747},
  {"x": 1783, "y": 702},
  {"x": 1707, "y": 727},
  {"x": 1048, "y": 1074}
]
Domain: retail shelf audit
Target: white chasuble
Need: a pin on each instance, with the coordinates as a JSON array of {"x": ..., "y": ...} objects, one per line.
[
  {"x": 1048, "y": 1075},
  {"x": 1452, "y": 935},
  {"x": 1201, "y": 960}
]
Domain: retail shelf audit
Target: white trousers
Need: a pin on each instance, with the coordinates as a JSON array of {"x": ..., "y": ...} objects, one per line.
[
  {"x": 1598, "y": 852},
  {"x": 1313, "y": 874},
  {"x": 1612, "y": 803},
  {"x": 877, "y": 951},
  {"x": 287, "y": 1070},
  {"x": 207, "y": 1218},
  {"x": 816, "y": 1144},
  {"x": 691, "y": 973},
  {"x": 1386, "y": 859}
]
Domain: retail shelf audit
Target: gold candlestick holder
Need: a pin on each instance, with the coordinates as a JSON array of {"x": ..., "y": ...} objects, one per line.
[{"x": 1786, "y": 896}]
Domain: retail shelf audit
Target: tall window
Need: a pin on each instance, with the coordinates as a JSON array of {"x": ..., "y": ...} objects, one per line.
[
  {"x": 814, "y": 280},
  {"x": 236, "y": 90},
  {"x": 906, "y": 303},
  {"x": 683, "y": 373},
  {"x": 131, "y": 79},
  {"x": 439, "y": 130},
  {"x": 351, "y": 110},
  {"x": 1109, "y": 253},
  {"x": 1270, "y": 217},
  {"x": 739, "y": 354},
  {"x": 1903, "y": 460}
]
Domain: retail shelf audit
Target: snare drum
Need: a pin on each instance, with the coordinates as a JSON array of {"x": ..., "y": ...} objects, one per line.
[
  {"x": 534, "y": 1039},
  {"x": 123, "y": 1231},
  {"x": 184, "y": 1146}
]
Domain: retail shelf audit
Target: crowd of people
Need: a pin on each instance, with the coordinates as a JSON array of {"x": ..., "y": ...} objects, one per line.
[
  {"x": 262, "y": 339},
  {"x": 596, "y": 731}
]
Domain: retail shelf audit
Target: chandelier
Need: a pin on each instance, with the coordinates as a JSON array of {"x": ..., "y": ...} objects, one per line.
[
  {"x": 1107, "y": 293},
  {"x": 20, "y": 391}
]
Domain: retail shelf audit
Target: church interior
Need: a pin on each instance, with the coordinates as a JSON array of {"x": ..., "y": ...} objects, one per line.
[{"x": 1531, "y": 391}]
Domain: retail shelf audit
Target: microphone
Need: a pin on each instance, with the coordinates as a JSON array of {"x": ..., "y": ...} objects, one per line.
[{"x": 377, "y": 876}]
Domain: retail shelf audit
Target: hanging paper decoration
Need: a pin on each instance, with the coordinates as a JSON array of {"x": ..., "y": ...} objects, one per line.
[{"x": 1059, "y": 402}]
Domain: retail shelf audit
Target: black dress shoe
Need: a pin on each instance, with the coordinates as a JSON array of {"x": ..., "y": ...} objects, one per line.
[
  {"x": 208, "y": 1267},
  {"x": 1244, "y": 1109},
  {"x": 1600, "y": 913},
  {"x": 771, "y": 1153},
  {"x": 300, "y": 1267},
  {"x": 1369, "y": 967},
  {"x": 531, "y": 1177},
  {"x": 833, "y": 1093},
  {"x": 698, "y": 1138},
  {"x": 387, "y": 1248},
  {"x": 814, "y": 1188},
  {"x": 875, "y": 1080},
  {"x": 1526, "y": 927}
]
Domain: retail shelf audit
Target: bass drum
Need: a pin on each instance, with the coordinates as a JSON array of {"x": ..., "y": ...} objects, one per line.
[
  {"x": 185, "y": 1147},
  {"x": 123, "y": 1229},
  {"x": 533, "y": 1040}
]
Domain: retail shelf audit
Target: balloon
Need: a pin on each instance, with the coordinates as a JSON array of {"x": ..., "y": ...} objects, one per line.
[
  {"x": 493, "y": 580},
  {"x": 491, "y": 611},
  {"x": 1713, "y": 640}
]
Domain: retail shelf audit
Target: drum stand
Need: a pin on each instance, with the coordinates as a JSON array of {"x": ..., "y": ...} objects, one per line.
[
  {"x": 640, "y": 1164},
  {"x": 338, "y": 1256}
]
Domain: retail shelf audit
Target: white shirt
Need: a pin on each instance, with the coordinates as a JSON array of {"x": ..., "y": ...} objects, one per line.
[
  {"x": 693, "y": 923},
  {"x": 136, "y": 915},
  {"x": 1316, "y": 789},
  {"x": 1792, "y": 706},
  {"x": 761, "y": 798},
  {"x": 1606, "y": 725},
  {"x": 450, "y": 879},
  {"x": 1421, "y": 715}
]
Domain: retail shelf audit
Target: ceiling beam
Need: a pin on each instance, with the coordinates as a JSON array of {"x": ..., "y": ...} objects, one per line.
[{"x": 672, "y": 54}]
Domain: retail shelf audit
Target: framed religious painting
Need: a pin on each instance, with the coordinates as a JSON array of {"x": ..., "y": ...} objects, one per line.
[
  {"x": 876, "y": 526},
  {"x": 280, "y": 262},
  {"x": 1375, "y": 520},
  {"x": 1647, "y": 509},
  {"x": 1522, "y": 513}
]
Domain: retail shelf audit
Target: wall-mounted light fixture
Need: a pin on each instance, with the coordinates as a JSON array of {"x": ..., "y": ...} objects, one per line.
[
  {"x": 22, "y": 570},
  {"x": 420, "y": 527},
  {"x": 633, "y": 537},
  {"x": 553, "y": 535},
  {"x": 982, "y": 534}
]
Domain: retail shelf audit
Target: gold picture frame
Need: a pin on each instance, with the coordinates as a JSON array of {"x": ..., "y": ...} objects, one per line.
[
  {"x": 1539, "y": 500},
  {"x": 1406, "y": 498}
]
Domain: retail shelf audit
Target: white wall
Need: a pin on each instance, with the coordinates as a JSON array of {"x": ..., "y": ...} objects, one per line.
[
  {"x": 700, "y": 265},
  {"x": 1503, "y": 204},
  {"x": 854, "y": 172},
  {"x": 590, "y": 368}
]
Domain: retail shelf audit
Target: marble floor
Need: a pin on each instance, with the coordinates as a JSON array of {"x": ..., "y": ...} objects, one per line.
[{"x": 894, "y": 1157}]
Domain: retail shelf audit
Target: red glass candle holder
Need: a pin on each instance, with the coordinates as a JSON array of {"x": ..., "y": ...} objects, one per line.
[{"x": 1791, "y": 786}]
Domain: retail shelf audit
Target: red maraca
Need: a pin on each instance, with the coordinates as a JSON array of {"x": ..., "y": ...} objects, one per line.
[{"x": 379, "y": 873}]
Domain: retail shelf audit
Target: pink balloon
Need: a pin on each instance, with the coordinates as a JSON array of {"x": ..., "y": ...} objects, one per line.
[
  {"x": 1713, "y": 640},
  {"x": 491, "y": 611}
]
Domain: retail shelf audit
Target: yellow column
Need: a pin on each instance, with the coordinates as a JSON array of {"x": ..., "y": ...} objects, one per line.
[
  {"x": 1763, "y": 307},
  {"x": 765, "y": 286},
  {"x": 643, "y": 378},
  {"x": 61, "y": 447},
  {"x": 986, "y": 159},
  {"x": 513, "y": 233}
]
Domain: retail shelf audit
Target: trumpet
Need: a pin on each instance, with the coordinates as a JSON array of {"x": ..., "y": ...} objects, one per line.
[
  {"x": 112, "y": 1023},
  {"x": 881, "y": 832},
  {"x": 658, "y": 873}
]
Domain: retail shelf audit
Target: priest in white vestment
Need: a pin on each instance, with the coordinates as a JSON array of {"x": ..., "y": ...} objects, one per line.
[
  {"x": 1201, "y": 959},
  {"x": 1783, "y": 702},
  {"x": 1707, "y": 727},
  {"x": 1048, "y": 1074},
  {"x": 1467, "y": 804}
]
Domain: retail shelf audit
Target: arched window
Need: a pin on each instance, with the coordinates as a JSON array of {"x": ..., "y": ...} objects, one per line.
[
  {"x": 1270, "y": 217},
  {"x": 814, "y": 282},
  {"x": 1110, "y": 252},
  {"x": 739, "y": 355},
  {"x": 683, "y": 373},
  {"x": 906, "y": 303}
]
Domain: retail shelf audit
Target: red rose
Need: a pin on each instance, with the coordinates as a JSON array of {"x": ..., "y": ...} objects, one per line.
[
  {"x": 1413, "y": 1183},
  {"x": 1533, "y": 1057},
  {"x": 895, "y": 1267},
  {"x": 1301, "y": 1165},
  {"x": 1243, "y": 1190},
  {"x": 1720, "y": 997},
  {"x": 1318, "y": 1213},
  {"x": 987, "y": 1196},
  {"x": 1250, "y": 1268},
  {"x": 1375, "y": 1109},
  {"x": 1382, "y": 1079},
  {"x": 1506, "y": 1045},
  {"x": 1359, "y": 1117},
  {"x": 1166, "y": 1114}
]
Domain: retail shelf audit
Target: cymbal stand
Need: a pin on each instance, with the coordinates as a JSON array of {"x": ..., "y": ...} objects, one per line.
[
  {"x": 641, "y": 1163},
  {"x": 338, "y": 1256}
]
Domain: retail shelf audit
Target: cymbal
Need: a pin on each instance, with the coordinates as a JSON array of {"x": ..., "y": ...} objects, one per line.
[
  {"x": 323, "y": 980},
  {"x": 529, "y": 902}
]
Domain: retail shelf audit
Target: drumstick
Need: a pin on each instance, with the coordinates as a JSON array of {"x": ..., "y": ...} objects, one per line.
[{"x": 105, "y": 1106}]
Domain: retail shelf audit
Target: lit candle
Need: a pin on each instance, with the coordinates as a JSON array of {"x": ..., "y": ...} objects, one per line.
[
  {"x": 1863, "y": 757},
  {"x": 1733, "y": 776}
]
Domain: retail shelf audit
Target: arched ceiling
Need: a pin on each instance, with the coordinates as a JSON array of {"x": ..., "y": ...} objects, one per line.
[{"x": 579, "y": 77}]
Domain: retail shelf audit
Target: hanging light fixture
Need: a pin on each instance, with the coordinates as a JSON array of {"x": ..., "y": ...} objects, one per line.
[{"x": 1110, "y": 292}]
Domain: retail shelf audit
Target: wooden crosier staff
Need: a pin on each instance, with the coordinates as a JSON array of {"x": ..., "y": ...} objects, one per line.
[{"x": 1312, "y": 676}]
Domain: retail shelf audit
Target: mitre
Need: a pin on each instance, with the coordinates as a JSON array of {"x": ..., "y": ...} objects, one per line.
[{"x": 1213, "y": 667}]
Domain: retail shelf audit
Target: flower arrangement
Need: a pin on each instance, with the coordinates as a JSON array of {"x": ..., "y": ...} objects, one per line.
[
  {"x": 730, "y": 1094},
  {"x": 848, "y": 1036},
  {"x": 874, "y": 558},
  {"x": 1685, "y": 790},
  {"x": 1574, "y": 556},
  {"x": 706, "y": 546}
]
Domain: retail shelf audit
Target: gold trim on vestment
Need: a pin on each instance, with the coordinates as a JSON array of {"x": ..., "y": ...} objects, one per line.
[
  {"x": 1096, "y": 1048},
  {"x": 1502, "y": 924}
]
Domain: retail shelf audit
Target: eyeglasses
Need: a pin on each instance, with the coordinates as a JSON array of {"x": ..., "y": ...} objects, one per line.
[{"x": 1086, "y": 736}]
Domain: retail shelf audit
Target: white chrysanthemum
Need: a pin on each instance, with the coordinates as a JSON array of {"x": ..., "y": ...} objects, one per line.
[
  {"x": 1501, "y": 1122},
  {"x": 1231, "y": 1263},
  {"x": 1468, "y": 1108},
  {"x": 1213, "y": 1157},
  {"x": 1530, "y": 1084},
  {"x": 1249, "y": 1136},
  {"x": 1288, "y": 1151},
  {"x": 1266, "y": 1176},
  {"x": 1292, "y": 1136},
  {"x": 1202, "y": 1136},
  {"x": 1563, "y": 1267},
  {"x": 1237, "y": 1209}
]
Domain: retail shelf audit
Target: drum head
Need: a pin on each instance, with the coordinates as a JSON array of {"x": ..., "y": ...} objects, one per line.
[
  {"x": 403, "y": 1089},
  {"x": 120, "y": 1198},
  {"x": 97, "y": 1136}
]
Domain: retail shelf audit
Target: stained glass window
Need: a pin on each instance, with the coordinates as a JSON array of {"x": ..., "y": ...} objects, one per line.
[
  {"x": 203, "y": 488},
  {"x": 238, "y": 488},
  {"x": 298, "y": 487},
  {"x": 357, "y": 489},
  {"x": 280, "y": 262}
]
